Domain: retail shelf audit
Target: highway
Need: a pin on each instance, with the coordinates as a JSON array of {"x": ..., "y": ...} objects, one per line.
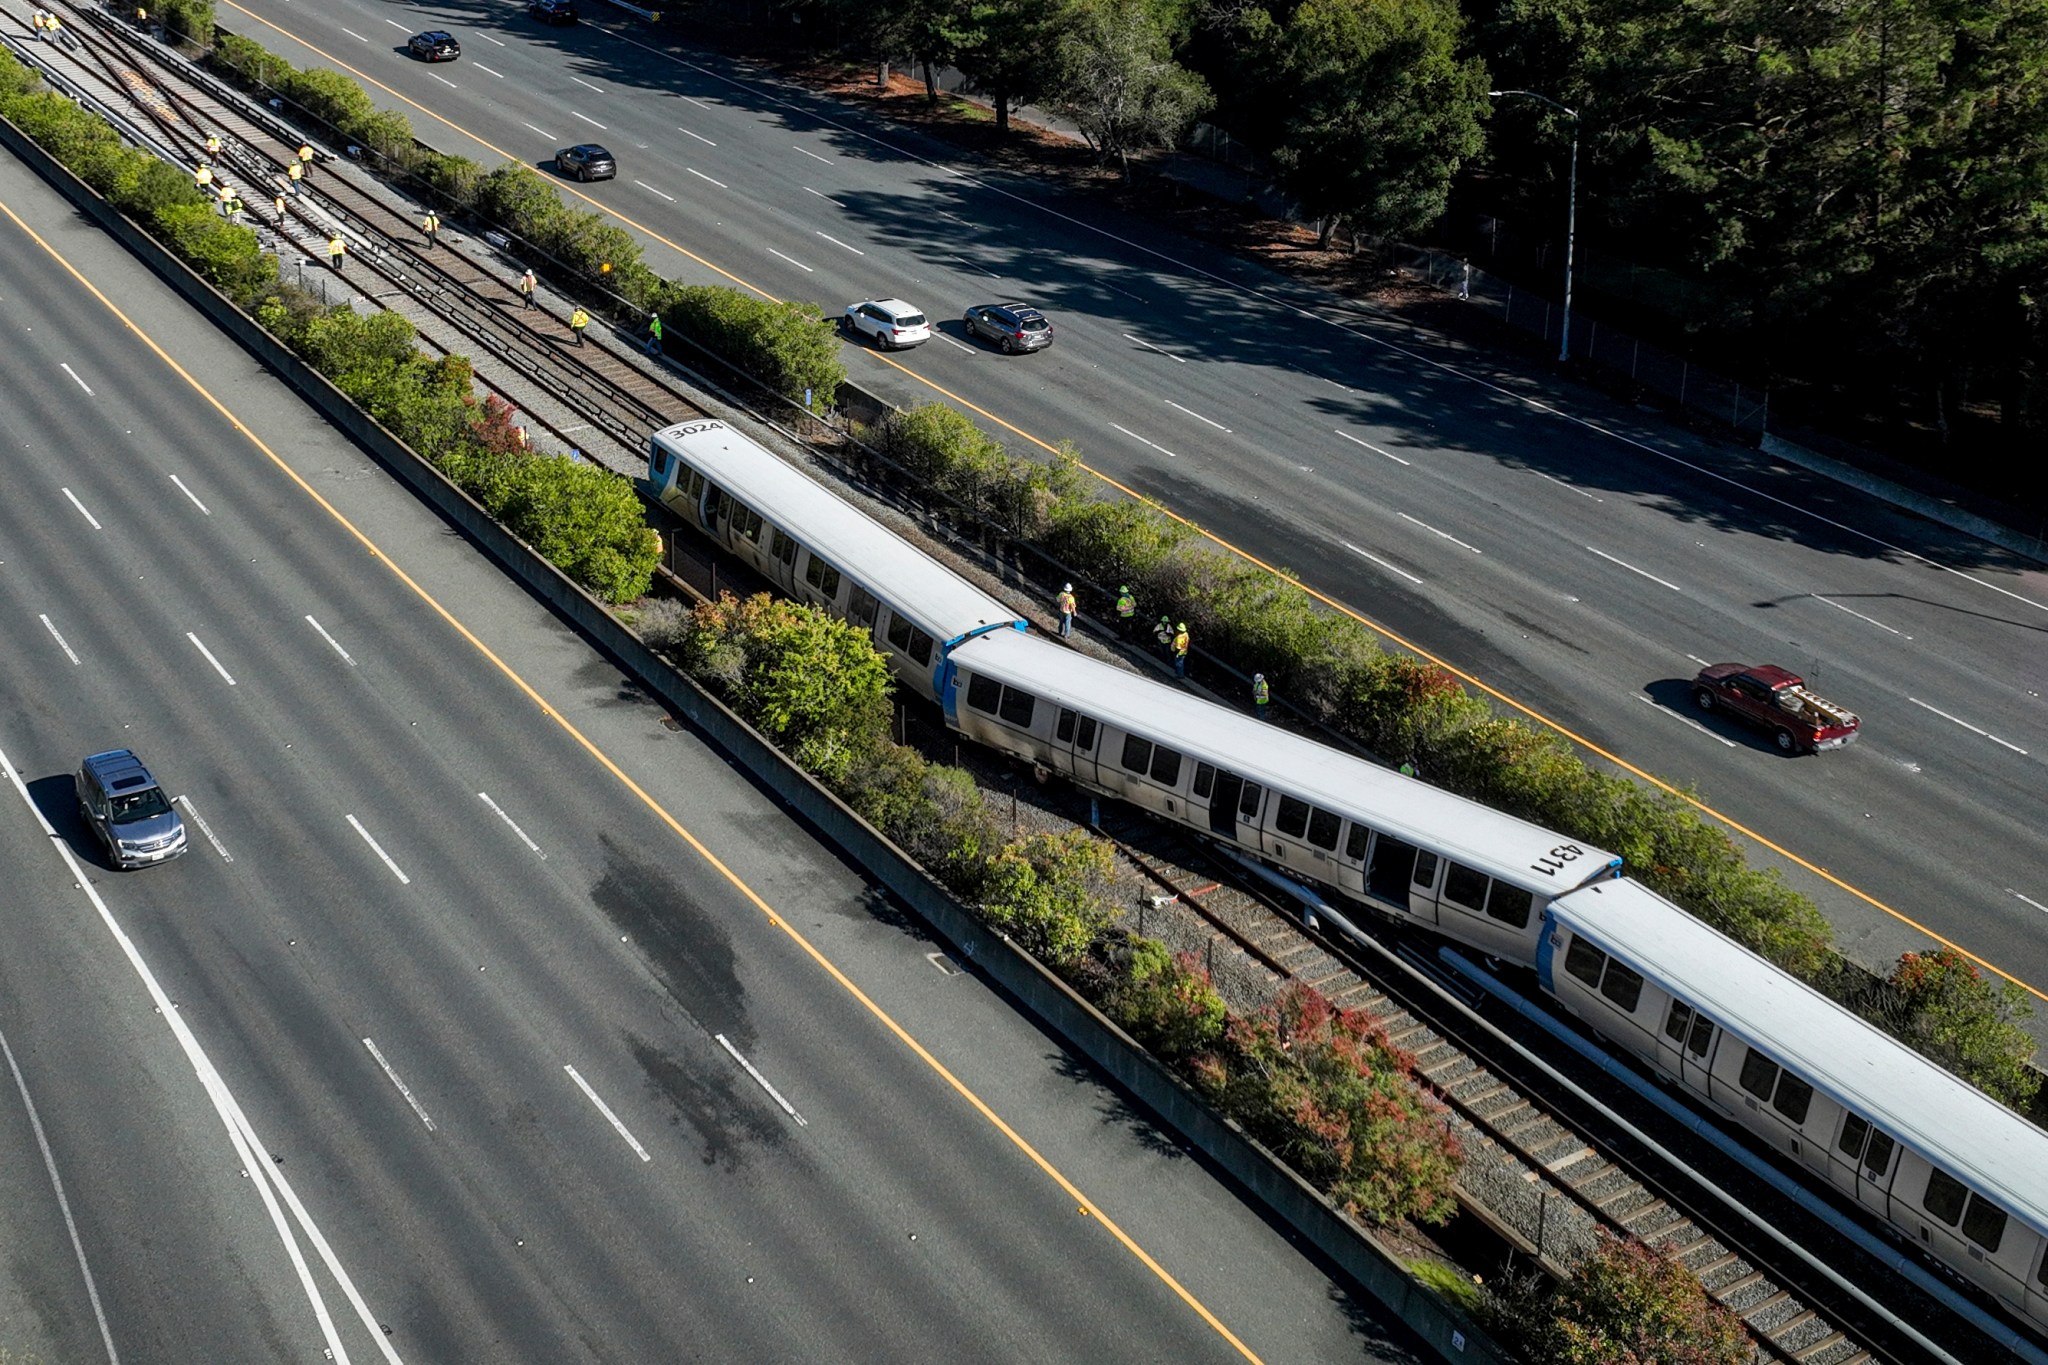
[
  {"x": 487, "y": 1017},
  {"x": 1579, "y": 556}
]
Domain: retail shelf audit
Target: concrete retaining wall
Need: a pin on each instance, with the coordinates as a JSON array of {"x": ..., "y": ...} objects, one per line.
[{"x": 1069, "y": 1016}]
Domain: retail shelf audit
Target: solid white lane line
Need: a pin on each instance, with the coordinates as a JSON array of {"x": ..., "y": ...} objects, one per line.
[
  {"x": 1142, "y": 441},
  {"x": 1199, "y": 418},
  {"x": 487, "y": 71},
  {"x": 204, "y": 828},
  {"x": 793, "y": 261},
  {"x": 651, "y": 190},
  {"x": 2028, "y": 899},
  {"x": 330, "y": 640},
  {"x": 74, "y": 375},
  {"x": 545, "y": 133},
  {"x": 378, "y": 849},
  {"x": 1683, "y": 720},
  {"x": 58, "y": 637},
  {"x": 836, "y": 242},
  {"x": 1445, "y": 534},
  {"x": 1381, "y": 562},
  {"x": 196, "y": 644},
  {"x": 1966, "y": 725},
  {"x": 762, "y": 1081},
  {"x": 606, "y": 1110},
  {"x": 1568, "y": 487},
  {"x": 826, "y": 197},
  {"x": 699, "y": 136},
  {"x": 510, "y": 824},
  {"x": 403, "y": 1089},
  {"x": 35, "y": 1123},
  {"x": 1373, "y": 448},
  {"x": 701, "y": 176},
  {"x": 190, "y": 494},
  {"x": 94, "y": 521},
  {"x": 589, "y": 120},
  {"x": 1860, "y": 616},
  {"x": 270, "y": 1182},
  {"x": 587, "y": 85},
  {"x": 1633, "y": 569},
  {"x": 1178, "y": 360},
  {"x": 812, "y": 155}
]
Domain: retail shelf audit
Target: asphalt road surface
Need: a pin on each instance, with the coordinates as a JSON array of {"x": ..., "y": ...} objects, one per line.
[
  {"x": 449, "y": 1040},
  {"x": 1579, "y": 556}
]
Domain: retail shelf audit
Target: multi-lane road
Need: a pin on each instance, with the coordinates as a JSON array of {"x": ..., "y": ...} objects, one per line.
[
  {"x": 1577, "y": 555},
  {"x": 488, "y": 1018}
]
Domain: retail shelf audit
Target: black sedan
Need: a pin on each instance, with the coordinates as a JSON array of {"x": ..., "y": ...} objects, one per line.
[
  {"x": 586, "y": 161},
  {"x": 553, "y": 11},
  {"x": 434, "y": 46}
]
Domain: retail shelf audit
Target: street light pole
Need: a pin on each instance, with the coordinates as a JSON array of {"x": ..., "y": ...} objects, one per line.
[{"x": 1571, "y": 213}]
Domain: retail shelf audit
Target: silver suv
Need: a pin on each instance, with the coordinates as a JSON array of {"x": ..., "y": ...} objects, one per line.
[
  {"x": 128, "y": 810},
  {"x": 1013, "y": 326}
]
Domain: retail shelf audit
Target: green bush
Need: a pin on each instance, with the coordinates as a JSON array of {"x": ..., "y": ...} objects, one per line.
[
  {"x": 1624, "y": 1304},
  {"x": 191, "y": 21},
  {"x": 1046, "y": 891},
  {"x": 1164, "y": 1001},
  {"x": 330, "y": 97},
  {"x": 786, "y": 346},
  {"x": 249, "y": 63},
  {"x": 1943, "y": 1005},
  {"x": 1329, "y": 1093},
  {"x": 590, "y": 523}
]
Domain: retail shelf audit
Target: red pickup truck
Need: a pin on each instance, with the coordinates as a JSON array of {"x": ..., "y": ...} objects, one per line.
[{"x": 1775, "y": 700}]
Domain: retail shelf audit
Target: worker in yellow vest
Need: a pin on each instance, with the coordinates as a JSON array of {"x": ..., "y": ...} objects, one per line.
[
  {"x": 337, "y": 252},
  {"x": 203, "y": 177},
  {"x": 1180, "y": 650},
  {"x": 213, "y": 146},
  {"x": 431, "y": 226},
  {"x": 1067, "y": 605},
  {"x": 579, "y": 320}
]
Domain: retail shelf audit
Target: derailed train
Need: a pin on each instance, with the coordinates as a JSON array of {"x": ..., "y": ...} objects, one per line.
[{"x": 1948, "y": 1167}]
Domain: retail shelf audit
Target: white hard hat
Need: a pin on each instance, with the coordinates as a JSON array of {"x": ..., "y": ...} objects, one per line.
[{"x": 1068, "y": 588}]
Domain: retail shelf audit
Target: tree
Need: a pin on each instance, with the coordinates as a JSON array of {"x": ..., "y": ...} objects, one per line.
[
  {"x": 1379, "y": 109},
  {"x": 1118, "y": 80},
  {"x": 1942, "y": 1005},
  {"x": 929, "y": 32},
  {"x": 1009, "y": 50}
]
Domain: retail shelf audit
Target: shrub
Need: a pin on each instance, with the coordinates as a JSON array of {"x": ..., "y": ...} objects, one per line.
[
  {"x": 248, "y": 62},
  {"x": 329, "y": 96},
  {"x": 662, "y": 622},
  {"x": 189, "y": 20},
  {"x": 786, "y": 346},
  {"x": 1942, "y": 1004},
  {"x": 810, "y": 682},
  {"x": 1046, "y": 892},
  {"x": 590, "y": 523},
  {"x": 1624, "y": 1304},
  {"x": 1164, "y": 1001},
  {"x": 1327, "y": 1090}
]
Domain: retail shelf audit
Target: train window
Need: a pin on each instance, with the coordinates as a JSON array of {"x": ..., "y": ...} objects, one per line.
[
  {"x": 1205, "y": 780},
  {"x": 714, "y": 503},
  {"x": 660, "y": 464},
  {"x": 1676, "y": 1022},
  {"x": 1465, "y": 886},
  {"x": 1623, "y": 985},
  {"x": 1137, "y": 754},
  {"x": 1354, "y": 846},
  {"x": 1292, "y": 817},
  {"x": 1510, "y": 905},
  {"x": 1084, "y": 741},
  {"x": 861, "y": 607},
  {"x": 1323, "y": 829},
  {"x": 1018, "y": 706},
  {"x": 1584, "y": 961},
  {"x": 1760, "y": 1076},
  {"x": 746, "y": 521},
  {"x": 908, "y": 639},
  {"x": 1877, "y": 1162},
  {"x": 1248, "y": 804},
  {"x": 1165, "y": 767},
  {"x": 1984, "y": 1223},
  {"x": 1063, "y": 729},
  {"x": 920, "y": 647},
  {"x": 1945, "y": 1196},
  {"x": 782, "y": 546},
  {"x": 1702, "y": 1035},
  {"x": 690, "y": 484},
  {"x": 823, "y": 577},
  {"x": 1793, "y": 1099},
  {"x": 1854, "y": 1130},
  {"x": 2042, "y": 1274},
  {"x": 984, "y": 694}
]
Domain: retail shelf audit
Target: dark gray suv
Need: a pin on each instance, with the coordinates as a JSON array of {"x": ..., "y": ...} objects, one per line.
[
  {"x": 128, "y": 810},
  {"x": 1013, "y": 326},
  {"x": 586, "y": 161}
]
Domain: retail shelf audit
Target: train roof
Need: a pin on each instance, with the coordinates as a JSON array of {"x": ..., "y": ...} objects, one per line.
[
  {"x": 943, "y": 604},
  {"x": 1945, "y": 1119},
  {"x": 1499, "y": 844}
]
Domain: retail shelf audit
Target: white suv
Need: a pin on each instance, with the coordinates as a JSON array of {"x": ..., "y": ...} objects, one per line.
[{"x": 891, "y": 323}]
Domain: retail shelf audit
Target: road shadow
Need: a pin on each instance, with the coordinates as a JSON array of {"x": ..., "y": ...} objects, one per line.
[{"x": 1676, "y": 696}]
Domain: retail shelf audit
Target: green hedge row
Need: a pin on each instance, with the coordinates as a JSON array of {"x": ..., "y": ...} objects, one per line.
[
  {"x": 1323, "y": 1088},
  {"x": 788, "y": 347},
  {"x": 1334, "y": 669},
  {"x": 588, "y": 521}
]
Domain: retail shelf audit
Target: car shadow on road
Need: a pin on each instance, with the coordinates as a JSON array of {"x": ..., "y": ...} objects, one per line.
[
  {"x": 56, "y": 797},
  {"x": 1675, "y": 695}
]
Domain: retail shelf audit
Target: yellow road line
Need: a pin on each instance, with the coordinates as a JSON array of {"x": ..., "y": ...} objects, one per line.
[{"x": 1086, "y": 1206}]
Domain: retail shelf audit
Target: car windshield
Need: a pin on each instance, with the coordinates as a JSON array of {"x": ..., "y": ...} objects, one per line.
[
  {"x": 1035, "y": 324},
  {"x": 142, "y": 805},
  {"x": 910, "y": 320}
]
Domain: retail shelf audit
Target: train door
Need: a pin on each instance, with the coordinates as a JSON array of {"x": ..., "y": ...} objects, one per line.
[
  {"x": 1862, "y": 1162},
  {"x": 1074, "y": 746},
  {"x": 1686, "y": 1047},
  {"x": 1251, "y": 802},
  {"x": 1223, "y": 802},
  {"x": 1403, "y": 874}
]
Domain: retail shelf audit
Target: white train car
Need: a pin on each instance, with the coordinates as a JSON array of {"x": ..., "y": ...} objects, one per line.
[
  {"x": 1935, "y": 1157},
  {"x": 1399, "y": 845},
  {"x": 820, "y": 549}
]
